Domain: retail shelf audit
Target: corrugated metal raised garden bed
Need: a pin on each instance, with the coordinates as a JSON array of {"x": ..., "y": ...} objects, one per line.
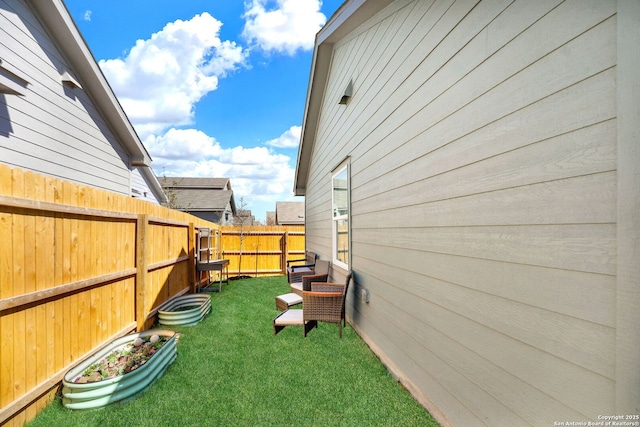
[
  {"x": 184, "y": 310},
  {"x": 123, "y": 369}
]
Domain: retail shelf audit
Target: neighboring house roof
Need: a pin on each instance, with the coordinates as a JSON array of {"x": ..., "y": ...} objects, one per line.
[
  {"x": 348, "y": 17},
  {"x": 202, "y": 199},
  {"x": 196, "y": 182},
  {"x": 199, "y": 194},
  {"x": 290, "y": 213}
]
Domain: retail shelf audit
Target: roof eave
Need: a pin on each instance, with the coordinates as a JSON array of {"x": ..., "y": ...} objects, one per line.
[
  {"x": 60, "y": 24},
  {"x": 347, "y": 18},
  {"x": 319, "y": 73},
  {"x": 152, "y": 179}
]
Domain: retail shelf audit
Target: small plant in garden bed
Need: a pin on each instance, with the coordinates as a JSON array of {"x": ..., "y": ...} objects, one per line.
[{"x": 122, "y": 360}]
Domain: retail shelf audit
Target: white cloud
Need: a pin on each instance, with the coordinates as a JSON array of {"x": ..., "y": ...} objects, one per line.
[
  {"x": 287, "y": 26},
  {"x": 257, "y": 174},
  {"x": 87, "y": 15},
  {"x": 182, "y": 144},
  {"x": 289, "y": 139},
  {"x": 161, "y": 79}
]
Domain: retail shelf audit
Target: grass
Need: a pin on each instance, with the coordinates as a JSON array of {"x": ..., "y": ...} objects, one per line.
[{"x": 232, "y": 371}]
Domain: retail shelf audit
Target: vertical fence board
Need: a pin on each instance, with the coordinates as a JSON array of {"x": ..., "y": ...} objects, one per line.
[
  {"x": 43, "y": 262},
  {"x": 68, "y": 254},
  {"x": 29, "y": 238},
  {"x": 58, "y": 304},
  {"x": 264, "y": 250},
  {"x": 48, "y": 273},
  {"x": 142, "y": 228},
  {"x": 85, "y": 247},
  {"x": 49, "y": 248},
  {"x": 19, "y": 321},
  {"x": 6, "y": 290},
  {"x": 71, "y": 198}
]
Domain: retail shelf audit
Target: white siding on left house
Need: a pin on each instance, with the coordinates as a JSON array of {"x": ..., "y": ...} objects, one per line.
[
  {"x": 140, "y": 188},
  {"x": 53, "y": 129}
]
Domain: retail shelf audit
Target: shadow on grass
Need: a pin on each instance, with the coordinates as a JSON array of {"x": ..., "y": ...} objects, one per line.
[{"x": 232, "y": 371}]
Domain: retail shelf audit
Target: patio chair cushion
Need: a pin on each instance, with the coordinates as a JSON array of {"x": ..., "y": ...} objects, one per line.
[
  {"x": 321, "y": 267},
  {"x": 283, "y": 302},
  {"x": 305, "y": 282},
  {"x": 292, "y": 318},
  {"x": 308, "y": 265},
  {"x": 289, "y": 318}
]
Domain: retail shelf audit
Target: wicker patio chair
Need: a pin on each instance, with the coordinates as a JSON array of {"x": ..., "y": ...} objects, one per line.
[
  {"x": 344, "y": 300},
  {"x": 320, "y": 274},
  {"x": 295, "y": 272},
  {"x": 323, "y": 304},
  {"x": 319, "y": 306},
  {"x": 331, "y": 287}
]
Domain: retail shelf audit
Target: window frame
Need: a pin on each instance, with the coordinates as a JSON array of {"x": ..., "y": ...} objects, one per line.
[{"x": 336, "y": 218}]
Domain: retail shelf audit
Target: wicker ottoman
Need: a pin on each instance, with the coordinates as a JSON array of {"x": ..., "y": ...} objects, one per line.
[
  {"x": 292, "y": 318},
  {"x": 283, "y": 302}
]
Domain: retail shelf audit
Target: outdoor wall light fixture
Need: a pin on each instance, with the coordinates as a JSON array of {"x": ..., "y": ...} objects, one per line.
[
  {"x": 364, "y": 295},
  {"x": 347, "y": 94}
]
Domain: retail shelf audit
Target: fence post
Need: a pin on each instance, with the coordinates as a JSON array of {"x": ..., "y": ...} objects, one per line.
[
  {"x": 285, "y": 252},
  {"x": 142, "y": 262},
  {"x": 192, "y": 258}
]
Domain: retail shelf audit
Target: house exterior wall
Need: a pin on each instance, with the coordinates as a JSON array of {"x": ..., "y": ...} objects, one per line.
[
  {"x": 55, "y": 129},
  {"x": 141, "y": 189},
  {"x": 482, "y": 141}
]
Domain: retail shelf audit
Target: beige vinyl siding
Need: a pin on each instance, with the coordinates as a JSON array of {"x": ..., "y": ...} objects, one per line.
[
  {"x": 482, "y": 138},
  {"x": 54, "y": 129},
  {"x": 628, "y": 206}
]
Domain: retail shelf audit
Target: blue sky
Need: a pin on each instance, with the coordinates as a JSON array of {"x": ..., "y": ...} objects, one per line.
[{"x": 214, "y": 88}]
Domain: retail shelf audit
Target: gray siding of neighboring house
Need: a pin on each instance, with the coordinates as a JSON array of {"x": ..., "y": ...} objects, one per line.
[
  {"x": 53, "y": 129},
  {"x": 141, "y": 189},
  {"x": 482, "y": 138}
]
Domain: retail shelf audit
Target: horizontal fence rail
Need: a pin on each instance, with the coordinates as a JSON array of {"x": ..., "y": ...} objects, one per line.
[
  {"x": 261, "y": 250},
  {"x": 79, "y": 267}
]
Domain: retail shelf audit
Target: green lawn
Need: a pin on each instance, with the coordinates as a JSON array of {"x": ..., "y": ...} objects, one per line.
[{"x": 232, "y": 371}]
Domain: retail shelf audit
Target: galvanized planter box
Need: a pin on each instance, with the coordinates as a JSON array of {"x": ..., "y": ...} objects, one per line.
[
  {"x": 185, "y": 310},
  {"x": 125, "y": 387}
]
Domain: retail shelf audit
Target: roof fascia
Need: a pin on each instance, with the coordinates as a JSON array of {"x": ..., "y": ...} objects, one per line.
[
  {"x": 347, "y": 18},
  {"x": 61, "y": 26},
  {"x": 155, "y": 184}
]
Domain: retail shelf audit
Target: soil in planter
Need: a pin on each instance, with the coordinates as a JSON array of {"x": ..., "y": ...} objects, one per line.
[{"x": 122, "y": 360}]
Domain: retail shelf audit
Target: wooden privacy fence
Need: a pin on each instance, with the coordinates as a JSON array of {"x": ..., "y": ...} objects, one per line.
[
  {"x": 260, "y": 250},
  {"x": 78, "y": 267}
]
